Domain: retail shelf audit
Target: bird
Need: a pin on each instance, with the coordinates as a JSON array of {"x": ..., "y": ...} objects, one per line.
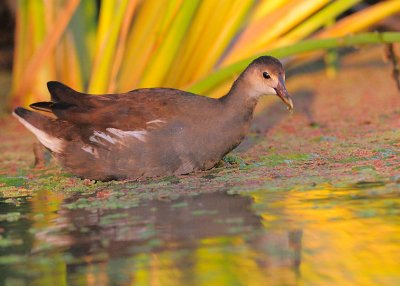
[{"x": 149, "y": 132}]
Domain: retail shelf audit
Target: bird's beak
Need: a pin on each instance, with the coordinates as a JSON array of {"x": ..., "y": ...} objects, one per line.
[{"x": 283, "y": 94}]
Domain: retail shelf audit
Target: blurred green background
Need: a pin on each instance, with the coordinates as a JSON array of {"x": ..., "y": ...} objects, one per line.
[{"x": 118, "y": 45}]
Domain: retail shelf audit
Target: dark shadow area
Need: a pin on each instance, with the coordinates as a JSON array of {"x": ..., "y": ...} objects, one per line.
[
  {"x": 7, "y": 26},
  {"x": 319, "y": 64},
  {"x": 275, "y": 113}
]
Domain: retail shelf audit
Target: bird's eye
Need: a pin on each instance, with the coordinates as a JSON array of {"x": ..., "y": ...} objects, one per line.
[{"x": 266, "y": 75}]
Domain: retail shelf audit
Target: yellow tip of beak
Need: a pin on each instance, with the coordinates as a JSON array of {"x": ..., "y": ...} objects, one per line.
[{"x": 289, "y": 104}]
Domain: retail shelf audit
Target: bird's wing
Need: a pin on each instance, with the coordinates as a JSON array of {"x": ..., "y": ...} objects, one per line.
[
  {"x": 64, "y": 97},
  {"x": 134, "y": 110},
  {"x": 62, "y": 93}
]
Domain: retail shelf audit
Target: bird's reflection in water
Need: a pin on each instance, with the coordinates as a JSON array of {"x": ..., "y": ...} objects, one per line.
[{"x": 189, "y": 238}]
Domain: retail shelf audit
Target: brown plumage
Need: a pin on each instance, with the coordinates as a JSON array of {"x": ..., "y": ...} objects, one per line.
[{"x": 150, "y": 132}]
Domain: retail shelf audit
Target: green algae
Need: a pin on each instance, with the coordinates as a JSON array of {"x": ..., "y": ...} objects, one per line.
[
  {"x": 12, "y": 259},
  {"x": 13, "y": 181},
  {"x": 274, "y": 160},
  {"x": 7, "y": 242},
  {"x": 13, "y": 193},
  {"x": 234, "y": 160},
  {"x": 325, "y": 139},
  {"x": 203, "y": 212},
  {"x": 10, "y": 217},
  {"x": 179, "y": 205},
  {"x": 348, "y": 160},
  {"x": 107, "y": 204},
  {"x": 363, "y": 168}
]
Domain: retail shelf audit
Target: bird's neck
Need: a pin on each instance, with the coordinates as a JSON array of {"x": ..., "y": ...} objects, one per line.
[
  {"x": 240, "y": 100},
  {"x": 237, "y": 112}
]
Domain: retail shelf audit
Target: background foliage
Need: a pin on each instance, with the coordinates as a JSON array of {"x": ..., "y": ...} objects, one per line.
[{"x": 199, "y": 45}]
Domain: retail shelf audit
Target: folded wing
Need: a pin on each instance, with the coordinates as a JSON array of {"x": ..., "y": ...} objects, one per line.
[{"x": 128, "y": 111}]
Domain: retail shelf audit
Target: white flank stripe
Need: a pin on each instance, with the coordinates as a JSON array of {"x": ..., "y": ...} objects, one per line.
[
  {"x": 93, "y": 139},
  {"x": 90, "y": 150},
  {"x": 116, "y": 132},
  {"x": 104, "y": 136},
  {"x": 138, "y": 134},
  {"x": 157, "y": 121}
]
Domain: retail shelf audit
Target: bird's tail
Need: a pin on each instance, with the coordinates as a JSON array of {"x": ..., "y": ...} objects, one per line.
[{"x": 42, "y": 127}]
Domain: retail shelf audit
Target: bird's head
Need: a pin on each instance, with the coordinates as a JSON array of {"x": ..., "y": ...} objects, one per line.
[{"x": 266, "y": 76}]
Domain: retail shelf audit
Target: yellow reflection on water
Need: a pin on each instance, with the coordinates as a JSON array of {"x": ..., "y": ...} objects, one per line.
[
  {"x": 45, "y": 219},
  {"x": 350, "y": 237}
]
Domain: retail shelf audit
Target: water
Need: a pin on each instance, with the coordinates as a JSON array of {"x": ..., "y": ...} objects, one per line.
[{"x": 322, "y": 236}]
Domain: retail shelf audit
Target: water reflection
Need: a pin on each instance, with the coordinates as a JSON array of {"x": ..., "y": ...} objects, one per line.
[
  {"x": 342, "y": 236},
  {"x": 203, "y": 239},
  {"x": 180, "y": 241}
]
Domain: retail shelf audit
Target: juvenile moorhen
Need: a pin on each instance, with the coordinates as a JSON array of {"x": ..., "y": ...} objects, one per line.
[{"x": 150, "y": 132}]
